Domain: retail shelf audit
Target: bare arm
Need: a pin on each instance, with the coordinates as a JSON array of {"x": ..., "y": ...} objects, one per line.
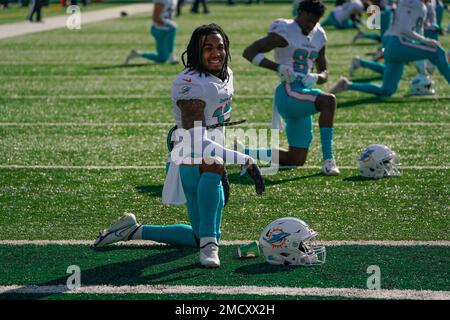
[
  {"x": 191, "y": 111},
  {"x": 157, "y": 10},
  {"x": 322, "y": 67},
  {"x": 266, "y": 44}
]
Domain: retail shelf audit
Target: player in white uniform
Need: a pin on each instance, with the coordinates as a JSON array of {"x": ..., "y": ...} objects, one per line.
[
  {"x": 201, "y": 96},
  {"x": 163, "y": 29},
  {"x": 403, "y": 42},
  {"x": 299, "y": 45},
  {"x": 344, "y": 16}
]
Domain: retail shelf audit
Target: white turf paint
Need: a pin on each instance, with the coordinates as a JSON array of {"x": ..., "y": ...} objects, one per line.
[
  {"x": 230, "y": 290},
  {"x": 248, "y": 124},
  {"x": 51, "y": 23},
  {"x": 162, "y": 166},
  {"x": 108, "y": 97},
  {"x": 331, "y": 243}
]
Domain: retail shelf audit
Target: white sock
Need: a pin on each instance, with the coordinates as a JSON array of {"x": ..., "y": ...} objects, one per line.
[
  {"x": 138, "y": 234},
  {"x": 206, "y": 240}
]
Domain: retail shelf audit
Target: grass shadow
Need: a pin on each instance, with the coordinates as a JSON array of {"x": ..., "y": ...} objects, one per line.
[
  {"x": 236, "y": 178},
  {"x": 130, "y": 272},
  {"x": 263, "y": 268},
  {"x": 357, "y": 179},
  {"x": 151, "y": 190}
]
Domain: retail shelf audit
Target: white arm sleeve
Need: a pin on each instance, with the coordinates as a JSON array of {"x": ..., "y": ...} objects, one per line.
[
  {"x": 211, "y": 148},
  {"x": 195, "y": 144}
]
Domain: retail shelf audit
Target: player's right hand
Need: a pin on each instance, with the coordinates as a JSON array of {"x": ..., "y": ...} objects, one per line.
[
  {"x": 286, "y": 73},
  {"x": 309, "y": 80},
  {"x": 255, "y": 173}
]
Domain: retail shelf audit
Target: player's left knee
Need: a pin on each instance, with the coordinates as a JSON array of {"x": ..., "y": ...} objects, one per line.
[
  {"x": 327, "y": 101},
  {"x": 212, "y": 165}
]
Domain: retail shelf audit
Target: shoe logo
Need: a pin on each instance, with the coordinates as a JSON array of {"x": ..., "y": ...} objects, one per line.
[
  {"x": 118, "y": 233},
  {"x": 188, "y": 80}
]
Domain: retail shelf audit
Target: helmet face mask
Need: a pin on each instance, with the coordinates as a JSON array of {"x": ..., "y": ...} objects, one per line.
[
  {"x": 378, "y": 161},
  {"x": 290, "y": 241},
  {"x": 422, "y": 85}
]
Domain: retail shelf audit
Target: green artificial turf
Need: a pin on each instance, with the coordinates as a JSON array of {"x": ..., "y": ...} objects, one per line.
[{"x": 66, "y": 99}]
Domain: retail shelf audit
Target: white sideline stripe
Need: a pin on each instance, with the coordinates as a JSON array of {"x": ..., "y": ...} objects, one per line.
[
  {"x": 162, "y": 166},
  {"x": 331, "y": 243},
  {"x": 233, "y": 290},
  {"x": 73, "y": 97},
  {"x": 248, "y": 124},
  {"x": 21, "y": 28}
]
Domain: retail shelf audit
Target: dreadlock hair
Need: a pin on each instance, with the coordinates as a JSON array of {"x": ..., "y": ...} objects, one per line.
[
  {"x": 315, "y": 7},
  {"x": 194, "y": 50}
]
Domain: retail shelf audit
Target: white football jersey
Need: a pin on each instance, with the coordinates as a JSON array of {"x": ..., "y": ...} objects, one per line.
[
  {"x": 431, "y": 21},
  {"x": 217, "y": 95},
  {"x": 301, "y": 51},
  {"x": 344, "y": 12},
  {"x": 409, "y": 16},
  {"x": 169, "y": 7}
]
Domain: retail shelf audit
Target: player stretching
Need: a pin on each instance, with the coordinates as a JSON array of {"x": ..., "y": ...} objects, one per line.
[
  {"x": 163, "y": 29},
  {"x": 344, "y": 16},
  {"x": 402, "y": 44},
  {"x": 299, "y": 45},
  {"x": 201, "y": 94}
]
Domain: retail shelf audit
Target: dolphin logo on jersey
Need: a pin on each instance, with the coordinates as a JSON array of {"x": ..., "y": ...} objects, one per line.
[
  {"x": 185, "y": 90},
  {"x": 277, "y": 237}
]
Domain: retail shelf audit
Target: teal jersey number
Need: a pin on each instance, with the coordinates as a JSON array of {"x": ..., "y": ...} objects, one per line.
[{"x": 301, "y": 57}]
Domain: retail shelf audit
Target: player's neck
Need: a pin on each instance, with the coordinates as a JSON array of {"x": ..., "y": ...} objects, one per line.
[{"x": 297, "y": 20}]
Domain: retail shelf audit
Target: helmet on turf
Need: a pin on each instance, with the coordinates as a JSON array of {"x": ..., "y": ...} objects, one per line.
[
  {"x": 290, "y": 241},
  {"x": 421, "y": 85},
  {"x": 378, "y": 161}
]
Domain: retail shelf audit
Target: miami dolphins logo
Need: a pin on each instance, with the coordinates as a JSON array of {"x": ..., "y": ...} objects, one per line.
[
  {"x": 276, "y": 237},
  {"x": 185, "y": 90},
  {"x": 366, "y": 155}
]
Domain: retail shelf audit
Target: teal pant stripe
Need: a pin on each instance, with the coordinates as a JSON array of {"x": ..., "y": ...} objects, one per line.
[{"x": 165, "y": 43}]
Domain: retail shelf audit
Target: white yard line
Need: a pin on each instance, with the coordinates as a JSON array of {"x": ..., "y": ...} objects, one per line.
[
  {"x": 51, "y": 23},
  {"x": 162, "y": 166},
  {"x": 233, "y": 290},
  {"x": 388, "y": 243},
  {"x": 248, "y": 124},
  {"x": 109, "y": 97}
]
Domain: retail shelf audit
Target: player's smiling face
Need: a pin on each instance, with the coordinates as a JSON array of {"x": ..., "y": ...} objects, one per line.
[{"x": 213, "y": 53}]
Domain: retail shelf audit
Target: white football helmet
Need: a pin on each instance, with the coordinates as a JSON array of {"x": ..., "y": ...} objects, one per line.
[
  {"x": 378, "y": 161},
  {"x": 421, "y": 85},
  {"x": 290, "y": 241}
]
